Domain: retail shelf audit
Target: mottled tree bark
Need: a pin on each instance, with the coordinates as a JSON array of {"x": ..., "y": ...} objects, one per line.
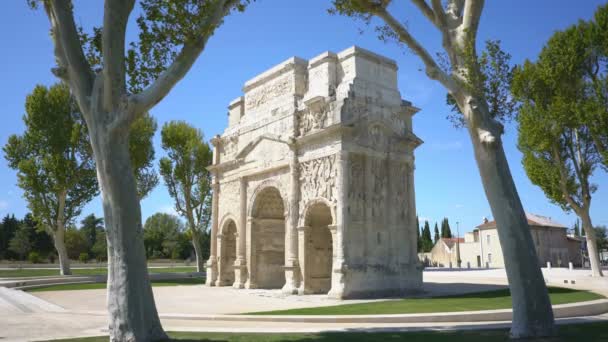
[
  {"x": 532, "y": 312},
  {"x": 130, "y": 299},
  {"x": 62, "y": 252},
  {"x": 594, "y": 256},
  {"x": 59, "y": 236}
]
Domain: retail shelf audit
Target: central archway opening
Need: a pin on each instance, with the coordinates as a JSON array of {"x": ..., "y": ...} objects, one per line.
[
  {"x": 319, "y": 249},
  {"x": 228, "y": 253},
  {"x": 268, "y": 239}
]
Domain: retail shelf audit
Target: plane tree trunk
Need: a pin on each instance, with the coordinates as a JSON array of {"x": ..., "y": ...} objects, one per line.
[
  {"x": 58, "y": 235},
  {"x": 130, "y": 299},
  {"x": 62, "y": 252},
  {"x": 532, "y": 312},
  {"x": 594, "y": 256},
  {"x": 198, "y": 250}
]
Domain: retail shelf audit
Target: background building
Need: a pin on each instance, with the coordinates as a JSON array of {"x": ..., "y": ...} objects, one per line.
[{"x": 481, "y": 247}]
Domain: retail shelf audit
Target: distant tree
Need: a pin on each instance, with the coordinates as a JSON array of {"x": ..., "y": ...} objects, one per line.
[
  {"x": 141, "y": 152},
  {"x": 161, "y": 234},
  {"x": 91, "y": 226},
  {"x": 446, "y": 231},
  {"x": 42, "y": 242},
  {"x": 436, "y": 237},
  {"x": 601, "y": 233},
  {"x": 557, "y": 139},
  {"x": 577, "y": 229},
  {"x": 8, "y": 227},
  {"x": 21, "y": 244},
  {"x": 418, "y": 235},
  {"x": 76, "y": 242},
  {"x": 54, "y": 162},
  {"x": 184, "y": 170},
  {"x": 427, "y": 241},
  {"x": 100, "y": 248}
]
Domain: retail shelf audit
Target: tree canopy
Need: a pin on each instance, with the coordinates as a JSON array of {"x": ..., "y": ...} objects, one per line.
[
  {"x": 184, "y": 170},
  {"x": 52, "y": 157}
]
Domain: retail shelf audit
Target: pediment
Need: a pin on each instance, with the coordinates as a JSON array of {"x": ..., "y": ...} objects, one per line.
[{"x": 267, "y": 147}]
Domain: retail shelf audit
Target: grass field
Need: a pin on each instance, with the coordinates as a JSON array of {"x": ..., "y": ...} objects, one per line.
[
  {"x": 575, "y": 332},
  {"x": 500, "y": 299},
  {"x": 24, "y": 272},
  {"x": 92, "y": 286}
]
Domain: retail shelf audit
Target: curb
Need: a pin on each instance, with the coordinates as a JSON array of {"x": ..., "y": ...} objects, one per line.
[{"x": 572, "y": 310}]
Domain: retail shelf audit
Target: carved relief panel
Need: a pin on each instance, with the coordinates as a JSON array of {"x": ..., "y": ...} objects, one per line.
[
  {"x": 318, "y": 178},
  {"x": 379, "y": 177},
  {"x": 356, "y": 187}
]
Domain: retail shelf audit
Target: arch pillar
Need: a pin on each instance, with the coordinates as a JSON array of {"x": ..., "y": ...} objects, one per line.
[
  {"x": 249, "y": 226},
  {"x": 302, "y": 234},
  {"x": 292, "y": 267},
  {"x": 219, "y": 264},
  {"x": 211, "y": 265},
  {"x": 337, "y": 266},
  {"x": 240, "y": 264}
]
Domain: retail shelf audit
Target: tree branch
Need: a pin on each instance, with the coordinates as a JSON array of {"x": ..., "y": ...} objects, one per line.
[
  {"x": 115, "y": 18},
  {"x": 73, "y": 67},
  {"x": 426, "y": 10},
  {"x": 181, "y": 65},
  {"x": 471, "y": 15},
  {"x": 433, "y": 71},
  {"x": 563, "y": 180}
]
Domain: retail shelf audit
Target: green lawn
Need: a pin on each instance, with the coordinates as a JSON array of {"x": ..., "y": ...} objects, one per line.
[
  {"x": 575, "y": 332},
  {"x": 24, "y": 272},
  {"x": 93, "y": 286},
  {"x": 500, "y": 299}
]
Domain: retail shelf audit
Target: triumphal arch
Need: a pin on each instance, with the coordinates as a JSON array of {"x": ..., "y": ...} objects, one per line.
[{"x": 314, "y": 181}]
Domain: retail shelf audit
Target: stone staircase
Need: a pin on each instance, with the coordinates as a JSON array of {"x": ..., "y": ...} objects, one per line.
[{"x": 14, "y": 301}]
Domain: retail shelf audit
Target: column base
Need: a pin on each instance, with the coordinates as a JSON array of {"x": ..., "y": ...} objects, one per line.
[
  {"x": 292, "y": 277},
  {"x": 240, "y": 274},
  {"x": 211, "y": 272}
]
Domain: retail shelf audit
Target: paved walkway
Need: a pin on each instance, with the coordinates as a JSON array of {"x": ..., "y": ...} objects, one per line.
[{"x": 64, "y": 314}]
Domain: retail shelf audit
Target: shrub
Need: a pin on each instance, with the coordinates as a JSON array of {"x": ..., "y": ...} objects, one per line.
[
  {"x": 34, "y": 258},
  {"x": 83, "y": 257}
]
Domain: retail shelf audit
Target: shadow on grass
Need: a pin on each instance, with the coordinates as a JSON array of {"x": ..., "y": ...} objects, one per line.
[{"x": 594, "y": 331}]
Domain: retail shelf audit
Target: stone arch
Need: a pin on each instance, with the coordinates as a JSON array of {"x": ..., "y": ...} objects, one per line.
[
  {"x": 317, "y": 201},
  {"x": 266, "y": 235},
  {"x": 317, "y": 238},
  {"x": 225, "y": 219},
  {"x": 269, "y": 183},
  {"x": 227, "y": 245}
]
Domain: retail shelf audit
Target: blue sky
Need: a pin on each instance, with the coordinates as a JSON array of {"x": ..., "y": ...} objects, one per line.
[{"x": 270, "y": 31}]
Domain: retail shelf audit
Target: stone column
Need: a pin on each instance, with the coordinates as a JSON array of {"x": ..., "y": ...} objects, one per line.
[
  {"x": 302, "y": 257},
  {"x": 240, "y": 264},
  {"x": 250, "y": 261},
  {"x": 212, "y": 262},
  {"x": 220, "y": 263},
  {"x": 292, "y": 269},
  {"x": 211, "y": 267},
  {"x": 337, "y": 228}
]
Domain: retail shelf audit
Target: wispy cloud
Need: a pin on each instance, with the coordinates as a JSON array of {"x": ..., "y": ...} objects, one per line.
[
  {"x": 459, "y": 206},
  {"x": 168, "y": 209},
  {"x": 446, "y": 145},
  {"x": 3, "y": 205}
]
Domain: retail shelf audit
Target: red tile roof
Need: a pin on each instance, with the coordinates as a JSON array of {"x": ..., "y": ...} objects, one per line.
[{"x": 533, "y": 220}]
